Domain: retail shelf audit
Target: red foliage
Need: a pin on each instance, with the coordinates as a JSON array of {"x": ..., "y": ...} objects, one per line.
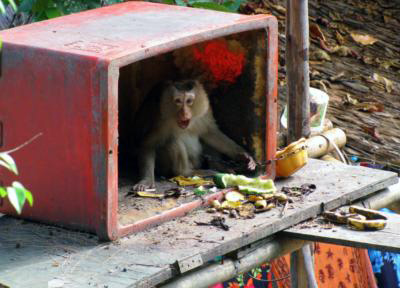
[{"x": 224, "y": 64}]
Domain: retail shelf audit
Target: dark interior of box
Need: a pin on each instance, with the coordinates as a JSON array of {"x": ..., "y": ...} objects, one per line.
[{"x": 232, "y": 70}]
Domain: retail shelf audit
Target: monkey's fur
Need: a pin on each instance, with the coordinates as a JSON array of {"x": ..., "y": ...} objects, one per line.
[{"x": 170, "y": 126}]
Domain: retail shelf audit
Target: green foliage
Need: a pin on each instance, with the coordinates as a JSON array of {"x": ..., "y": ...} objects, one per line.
[
  {"x": 17, "y": 194},
  {"x": 47, "y": 9},
  {"x": 3, "y": 4},
  {"x": 224, "y": 6}
]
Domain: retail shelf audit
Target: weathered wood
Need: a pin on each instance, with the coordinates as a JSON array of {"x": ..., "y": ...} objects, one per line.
[
  {"x": 386, "y": 239},
  {"x": 147, "y": 258},
  {"x": 297, "y": 69},
  {"x": 230, "y": 268}
]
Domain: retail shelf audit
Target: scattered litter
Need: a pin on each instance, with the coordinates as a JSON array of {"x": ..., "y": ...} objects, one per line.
[
  {"x": 149, "y": 195},
  {"x": 358, "y": 218},
  {"x": 217, "y": 221},
  {"x": 191, "y": 181}
]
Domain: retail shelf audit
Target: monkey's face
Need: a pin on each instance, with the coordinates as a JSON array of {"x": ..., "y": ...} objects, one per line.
[
  {"x": 183, "y": 102},
  {"x": 183, "y": 99}
]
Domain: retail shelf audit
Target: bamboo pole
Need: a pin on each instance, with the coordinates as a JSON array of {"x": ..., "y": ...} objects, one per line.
[
  {"x": 216, "y": 273},
  {"x": 297, "y": 69}
]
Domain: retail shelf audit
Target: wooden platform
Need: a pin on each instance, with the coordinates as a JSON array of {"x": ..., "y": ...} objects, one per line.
[
  {"x": 33, "y": 254},
  {"x": 386, "y": 239}
]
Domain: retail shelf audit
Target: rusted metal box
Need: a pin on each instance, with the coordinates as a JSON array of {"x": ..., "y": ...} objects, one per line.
[{"x": 68, "y": 79}]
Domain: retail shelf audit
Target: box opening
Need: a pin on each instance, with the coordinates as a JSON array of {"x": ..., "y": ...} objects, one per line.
[{"x": 232, "y": 69}]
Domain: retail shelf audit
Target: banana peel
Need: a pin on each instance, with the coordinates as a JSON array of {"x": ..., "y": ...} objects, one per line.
[
  {"x": 375, "y": 219},
  {"x": 341, "y": 218},
  {"x": 358, "y": 218},
  {"x": 366, "y": 225},
  {"x": 369, "y": 213}
]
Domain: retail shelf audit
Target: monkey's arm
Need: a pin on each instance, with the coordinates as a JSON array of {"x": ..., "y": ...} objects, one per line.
[
  {"x": 146, "y": 160},
  {"x": 215, "y": 138}
]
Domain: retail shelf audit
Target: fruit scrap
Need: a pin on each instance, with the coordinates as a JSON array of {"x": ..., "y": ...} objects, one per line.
[
  {"x": 254, "y": 198},
  {"x": 260, "y": 204},
  {"x": 216, "y": 204},
  {"x": 191, "y": 181},
  {"x": 246, "y": 211},
  {"x": 303, "y": 190},
  {"x": 217, "y": 221},
  {"x": 231, "y": 204},
  {"x": 246, "y": 185},
  {"x": 267, "y": 208},
  {"x": 234, "y": 196},
  {"x": 341, "y": 218},
  {"x": 149, "y": 195},
  {"x": 367, "y": 225},
  {"x": 369, "y": 213},
  {"x": 280, "y": 197},
  {"x": 358, "y": 218}
]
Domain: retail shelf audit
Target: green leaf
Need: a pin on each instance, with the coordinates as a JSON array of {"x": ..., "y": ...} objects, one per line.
[
  {"x": 3, "y": 192},
  {"x": 180, "y": 3},
  {"x": 26, "y": 6},
  {"x": 211, "y": 6},
  {"x": 40, "y": 6},
  {"x": 191, "y": 2},
  {"x": 2, "y": 7},
  {"x": 170, "y": 2},
  {"x": 13, "y": 5},
  {"x": 17, "y": 198},
  {"x": 53, "y": 13},
  {"x": 233, "y": 5},
  {"x": 8, "y": 162},
  {"x": 28, "y": 195}
]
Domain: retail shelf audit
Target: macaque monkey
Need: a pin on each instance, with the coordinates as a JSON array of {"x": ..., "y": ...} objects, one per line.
[{"x": 181, "y": 117}]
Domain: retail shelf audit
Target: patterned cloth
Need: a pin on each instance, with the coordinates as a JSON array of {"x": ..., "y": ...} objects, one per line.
[{"x": 335, "y": 267}]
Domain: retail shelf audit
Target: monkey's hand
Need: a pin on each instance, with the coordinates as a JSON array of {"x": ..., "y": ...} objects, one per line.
[
  {"x": 245, "y": 157},
  {"x": 143, "y": 185}
]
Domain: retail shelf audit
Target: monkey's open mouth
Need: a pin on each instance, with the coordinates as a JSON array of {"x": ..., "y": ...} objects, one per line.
[{"x": 184, "y": 123}]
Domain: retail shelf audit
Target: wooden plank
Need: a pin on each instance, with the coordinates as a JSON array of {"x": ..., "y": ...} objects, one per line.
[
  {"x": 298, "y": 80},
  {"x": 147, "y": 258},
  {"x": 386, "y": 239}
]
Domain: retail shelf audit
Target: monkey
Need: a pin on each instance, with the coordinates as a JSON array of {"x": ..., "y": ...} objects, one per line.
[{"x": 171, "y": 129}]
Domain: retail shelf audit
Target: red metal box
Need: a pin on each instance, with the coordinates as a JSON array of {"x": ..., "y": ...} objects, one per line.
[{"x": 67, "y": 79}]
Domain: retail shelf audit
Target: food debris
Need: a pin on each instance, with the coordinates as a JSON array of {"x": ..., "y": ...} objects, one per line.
[
  {"x": 191, "y": 181},
  {"x": 217, "y": 221},
  {"x": 303, "y": 190}
]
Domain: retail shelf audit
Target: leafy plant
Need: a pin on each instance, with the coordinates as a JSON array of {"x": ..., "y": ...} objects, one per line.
[
  {"x": 47, "y": 9},
  {"x": 224, "y": 5},
  {"x": 17, "y": 194}
]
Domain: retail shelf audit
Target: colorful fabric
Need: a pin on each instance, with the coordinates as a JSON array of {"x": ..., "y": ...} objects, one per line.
[
  {"x": 335, "y": 267},
  {"x": 342, "y": 267},
  {"x": 386, "y": 265}
]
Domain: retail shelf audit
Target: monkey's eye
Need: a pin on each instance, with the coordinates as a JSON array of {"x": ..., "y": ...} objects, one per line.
[
  {"x": 189, "y": 101},
  {"x": 178, "y": 101}
]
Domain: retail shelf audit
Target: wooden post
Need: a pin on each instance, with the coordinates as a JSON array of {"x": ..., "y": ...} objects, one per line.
[
  {"x": 302, "y": 268},
  {"x": 298, "y": 100},
  {"x": 297, "y": 70}
]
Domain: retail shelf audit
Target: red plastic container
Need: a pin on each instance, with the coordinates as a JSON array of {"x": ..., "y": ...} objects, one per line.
[{"x": 61, "y": 78}]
